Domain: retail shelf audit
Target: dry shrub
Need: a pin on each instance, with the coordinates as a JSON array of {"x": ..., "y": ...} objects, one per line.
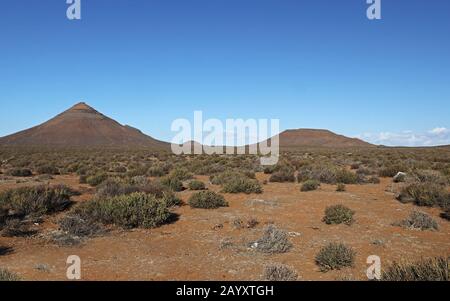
[
  {"x": 274, "y": 240},
  {"x": 77, "y": 226},
  {"x": 335, "y": 256},
  {"x": 6, "y": 275},
  {"x": 279, "y": 272},
  {"x": 19, "y": 172},
  {"x": 17, "y": 228},
  {"x": 284, "y": 174},
  {"x": 340, "y": 187},
  {"x": 433, "y": 269},
  {"x": 424, "y": 194},
  {"x": 419, "y": 220},
  {"x": 310, "y": 185}
]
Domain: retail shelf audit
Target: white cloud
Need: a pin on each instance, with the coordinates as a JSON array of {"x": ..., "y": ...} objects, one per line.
[
  {"x": 436, "y": 136},
  {"x": 439, "y": 131}
]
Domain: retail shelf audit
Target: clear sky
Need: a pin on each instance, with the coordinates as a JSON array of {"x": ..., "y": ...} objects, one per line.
[{"x": 312, "y": 64}]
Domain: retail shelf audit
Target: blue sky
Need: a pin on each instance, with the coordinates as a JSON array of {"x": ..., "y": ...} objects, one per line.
[{"x": 312, "y": 64}]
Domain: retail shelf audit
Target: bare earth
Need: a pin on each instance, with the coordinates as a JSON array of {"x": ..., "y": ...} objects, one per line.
[{"x": 205, "y": 245}]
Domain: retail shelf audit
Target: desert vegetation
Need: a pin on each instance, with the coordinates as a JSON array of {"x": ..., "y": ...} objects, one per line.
[{"x": 71, "y": 197}]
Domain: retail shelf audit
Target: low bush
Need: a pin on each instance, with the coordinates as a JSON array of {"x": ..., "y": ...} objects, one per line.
[
  {"x": 76, "y": 225},
  {"x": 430, "y": 176},
  {"x": 274, "y": 240},
  {"x": 340, "y": 187},
  {"x": 156, "y": 171},
  {"x": 181, "y": 174},
  {"x": 335, "y": 256},
  {"x": 97, "y": 179},
  {"x": 433, "y": 269},
  {"x": 172, "y": 183},
  {"x": 338, "y": 214},
  {"x": 424, "y": 194},
  {"x": 6, "y": 275},
  {"x": 346, "y": 177},
  {"x": 418, "y": 220},
  {"x": 114, "y": 187},
  {"x": 279, "y": 272},
  {"x": 196, "y": 185},
  {"x": 389, "y": 171},
  {"x": 285, "y": 174},
  {"x": 446, "y": 214},
  {"x": 16, "y": 228},
  {"x": 5, "y": 250},
  {"x": 242, "y": 185},
  {"x": 373, "y": 180},
  {"x": 19, "y": 172},
  {"x": 226, "y": 176},
  {"x": 207, "y": 200},
  {"x": 136, "y": 210},
  {"x": 310, "y": 185},
  {"x": 37, "y": 201},
  {"x": 48, "y": 169}
]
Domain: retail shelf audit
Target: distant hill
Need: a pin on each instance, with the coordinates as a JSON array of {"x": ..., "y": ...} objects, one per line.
[
  {"x": 318, "y": 138},
  {"x": 82, "y": 126}
]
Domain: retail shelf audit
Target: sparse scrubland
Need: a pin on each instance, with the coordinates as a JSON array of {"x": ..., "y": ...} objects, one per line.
[{"x": 150, "y": 203}]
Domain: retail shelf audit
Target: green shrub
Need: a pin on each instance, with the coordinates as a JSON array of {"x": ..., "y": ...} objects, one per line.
[
  {"x": 424, "y": 194},
  {"x": 338, "y": 214},
  {"x": 20, "y": 172},
  {"x": 136, "y": 210},
  {"x": 434, "y": 269},
  {"x": 279, "y": 272},
  {"x": 37, "y": 200},
  {"x": 48, "y": 169},
  {"x": 196, "y": 185},
  {"x": 284, "y": 174},
  {"x": 340, "y": 187},
  {"x": 172, "y": 183},
  {"x": 113, "y": 187},
  {"x": 274, "y": 240},
  {"x": 224, "y": 177},
  {"x": 310, "y": 185},
  {"x": 156, "y": 171},
  {"x": 335, "y": 256},
  {"x": 346, "y": 177},
  {"x": 207, "y": 200},
  {"x": 418, "y": 220},
  {"x": 181, "y": 174},
  {"x": 6, "y": 275},
  {"x": 96, "y": 179},
  {"x": 242, "y": 185}
]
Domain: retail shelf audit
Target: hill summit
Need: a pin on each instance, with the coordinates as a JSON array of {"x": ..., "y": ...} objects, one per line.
[{"x": 82, "y": 126}]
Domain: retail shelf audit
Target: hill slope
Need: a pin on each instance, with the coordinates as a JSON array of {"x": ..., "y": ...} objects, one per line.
[
  {"x": 82, "y": 126},
  {"x": 318, "y": 138}
]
